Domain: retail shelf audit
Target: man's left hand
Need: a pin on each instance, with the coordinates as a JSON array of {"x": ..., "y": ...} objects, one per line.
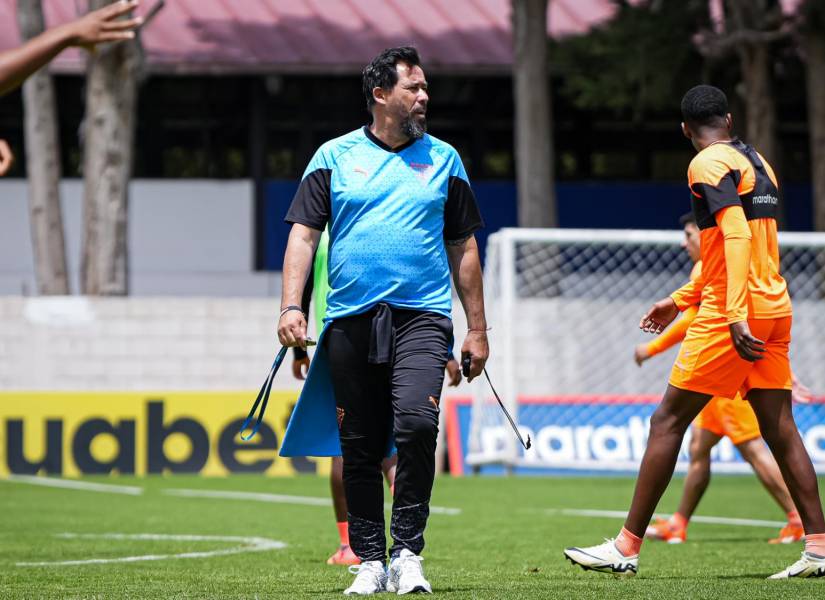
[
  {"x": 748, "y": 347},
  {"x": 475, "y": 345}
]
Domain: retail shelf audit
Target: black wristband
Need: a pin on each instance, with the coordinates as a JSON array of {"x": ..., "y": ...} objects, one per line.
[{"x": 286, "y": 309}]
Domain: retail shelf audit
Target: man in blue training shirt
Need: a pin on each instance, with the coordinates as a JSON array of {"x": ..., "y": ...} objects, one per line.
[{"x": 401, "y": 214}]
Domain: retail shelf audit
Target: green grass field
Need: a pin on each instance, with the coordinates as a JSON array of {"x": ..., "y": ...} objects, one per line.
[{"x": 505, "y": 543}]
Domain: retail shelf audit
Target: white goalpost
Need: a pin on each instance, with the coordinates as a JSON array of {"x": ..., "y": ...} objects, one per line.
[{"x": 564, "y": 306}]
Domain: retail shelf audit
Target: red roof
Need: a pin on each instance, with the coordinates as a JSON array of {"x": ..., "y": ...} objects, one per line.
[{"x": 277, "y": 36}]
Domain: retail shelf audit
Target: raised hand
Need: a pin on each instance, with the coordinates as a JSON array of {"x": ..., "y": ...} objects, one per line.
[
  {"x": 659, "y": 316},
  {"x": 104, "y": 25}
]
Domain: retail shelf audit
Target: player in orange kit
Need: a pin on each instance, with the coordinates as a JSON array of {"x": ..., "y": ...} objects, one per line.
[
  {"x": 738, "y": 341},
  {"x": 731, "y": 417}
]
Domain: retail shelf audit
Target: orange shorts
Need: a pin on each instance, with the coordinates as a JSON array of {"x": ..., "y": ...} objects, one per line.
[
  {"x": 708, "y": 363},
  {"x": 733, "y": 418}
]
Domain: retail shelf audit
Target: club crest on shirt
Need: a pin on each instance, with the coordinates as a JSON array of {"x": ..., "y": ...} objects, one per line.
[{"x": 423, "y": 170}]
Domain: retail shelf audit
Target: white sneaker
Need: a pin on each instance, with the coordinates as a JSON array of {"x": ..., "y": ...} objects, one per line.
[
  {"x": 371, "y": 578},
  {"x": 406, "y": 575},
  {"x": 810, "y": 565},
  {"x": 604, "y": 558}
]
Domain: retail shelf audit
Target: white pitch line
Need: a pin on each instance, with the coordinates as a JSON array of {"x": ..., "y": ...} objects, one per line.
[
  {"x": 254, "y": 496},
  {"x": 249, "y": 544},
  {"x": 280, "y": 499},
  {"x": 435, "y": 510},
  {"x": 619, "y": 514},
  {"x": 71, "y": 484}
]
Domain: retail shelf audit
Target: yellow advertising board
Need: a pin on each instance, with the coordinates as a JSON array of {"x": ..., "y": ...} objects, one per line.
[{"x": 140, "y": 433}]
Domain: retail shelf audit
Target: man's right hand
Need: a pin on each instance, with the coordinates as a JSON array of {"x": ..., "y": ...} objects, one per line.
[
  {"x": 659, "y": 316},
  {"x": 6, "y": 157},
  {"x": 292, "y": 329},
  {"x": 476, "y": 347}
]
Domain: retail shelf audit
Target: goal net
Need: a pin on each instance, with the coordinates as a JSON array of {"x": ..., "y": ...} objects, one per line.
[{"x": 564, "y": 307}]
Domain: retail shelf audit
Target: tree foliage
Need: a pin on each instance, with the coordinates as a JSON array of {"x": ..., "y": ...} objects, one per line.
[{"x": 635, "y": 62}]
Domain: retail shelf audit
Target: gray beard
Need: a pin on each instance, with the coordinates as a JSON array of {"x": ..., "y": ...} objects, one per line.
[{"x": 412, "y": 129}]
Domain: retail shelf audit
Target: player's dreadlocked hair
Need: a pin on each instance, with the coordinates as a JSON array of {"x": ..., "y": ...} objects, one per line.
[
  {"x": 704, "y": 106},
  {"x": 381, "y": 71}
]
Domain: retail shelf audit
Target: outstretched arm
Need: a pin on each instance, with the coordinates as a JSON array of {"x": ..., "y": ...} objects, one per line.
[
  {"x": 96, "y": 27},
  {"x": 466, "y": 267}
]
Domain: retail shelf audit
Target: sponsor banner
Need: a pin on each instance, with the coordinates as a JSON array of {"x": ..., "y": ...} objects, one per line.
[
  {"x": 593, "y": 434},
  {"x": 138, "y": 433}
]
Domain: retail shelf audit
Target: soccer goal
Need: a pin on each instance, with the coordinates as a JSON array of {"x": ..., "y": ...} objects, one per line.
[{"x": 564, "y": 306}]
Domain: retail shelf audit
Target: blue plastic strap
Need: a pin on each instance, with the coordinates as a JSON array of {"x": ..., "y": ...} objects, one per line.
[{"x": 263, "y": 398}]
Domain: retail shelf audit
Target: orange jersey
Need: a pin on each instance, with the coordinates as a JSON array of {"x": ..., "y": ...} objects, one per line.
[{"x": 735, "y": 198}]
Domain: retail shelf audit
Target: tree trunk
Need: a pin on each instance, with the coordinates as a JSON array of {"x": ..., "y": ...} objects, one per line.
[
  {"x": 815, "y": 72},
  {"x": 760, "y": 105},
  {"x": 111, "y": 96},
  {"x": 43, "y": 165},
  {"x": 534, "y": 125}
]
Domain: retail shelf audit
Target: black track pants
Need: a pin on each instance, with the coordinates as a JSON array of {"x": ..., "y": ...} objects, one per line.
[{"x": 400, "y": 397}]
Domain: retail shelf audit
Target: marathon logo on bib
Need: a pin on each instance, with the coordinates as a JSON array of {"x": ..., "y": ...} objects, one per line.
[{"x": 766, "y": 199}]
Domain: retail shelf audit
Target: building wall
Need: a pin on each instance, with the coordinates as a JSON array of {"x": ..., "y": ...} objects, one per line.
[
  {"x": 198, "y": 237},
  {"x": 186, "y": 237}
]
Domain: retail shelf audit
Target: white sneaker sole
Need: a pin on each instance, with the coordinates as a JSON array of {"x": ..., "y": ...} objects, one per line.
[
  {"x": 806, "y": 574},
  {"x": 419, "y": 589},
  {"x": 605, "y": 567}
]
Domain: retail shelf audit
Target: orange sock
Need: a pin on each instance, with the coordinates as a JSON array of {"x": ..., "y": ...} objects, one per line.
[
  {"x": 815, "y": 543},
  {"x": 343, "y": 533},
  {"x": 627, "y": 543},
  {"x": 679, "y": 521},
  {"x": 794, "y": 518}
]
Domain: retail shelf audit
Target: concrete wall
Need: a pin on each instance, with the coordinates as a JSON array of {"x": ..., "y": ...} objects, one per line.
[
  {"x": 122, "y": 344},
  {"x": 186, "y": 238},
  {"x": 77, "y": 343}
]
